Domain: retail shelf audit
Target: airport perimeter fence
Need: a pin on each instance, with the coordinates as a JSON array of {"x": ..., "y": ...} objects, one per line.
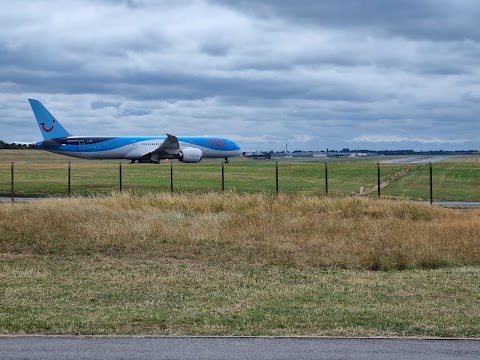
[{"x": 327, "y": 178}]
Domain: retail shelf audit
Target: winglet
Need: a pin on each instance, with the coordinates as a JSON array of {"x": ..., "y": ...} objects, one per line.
[{"x": 49, "y": 126}]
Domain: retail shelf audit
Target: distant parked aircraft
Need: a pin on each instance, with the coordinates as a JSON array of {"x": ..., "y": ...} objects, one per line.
[{"x": 145, "y": 149}]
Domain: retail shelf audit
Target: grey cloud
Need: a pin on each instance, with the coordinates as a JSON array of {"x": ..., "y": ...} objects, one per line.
[
  {"x": 474, "y": 98},
  {"x": 215, "y": 49},
  {"x": 313, "y": 74},
  {"x": 104, "y": 104},
  {"x": 431, "y": 19},
  {"x": 133, "y": 4},
  {"x": 134, "y": 112}
]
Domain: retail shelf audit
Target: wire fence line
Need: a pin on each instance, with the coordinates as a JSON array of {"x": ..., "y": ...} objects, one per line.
[{"x": 327, "y": 178}]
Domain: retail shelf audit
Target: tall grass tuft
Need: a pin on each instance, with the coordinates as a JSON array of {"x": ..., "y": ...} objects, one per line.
[{"x": 287, "y": 230}]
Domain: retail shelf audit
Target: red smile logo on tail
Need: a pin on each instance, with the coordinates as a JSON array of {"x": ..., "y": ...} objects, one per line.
[{"x": 45, "y": 129}]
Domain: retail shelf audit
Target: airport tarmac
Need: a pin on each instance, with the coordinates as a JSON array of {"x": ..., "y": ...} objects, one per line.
[
  {"x": 234, "y": 348},
  {"x": 23, "y": 199},
  {"x": 453, "y": 204},
  {"x": 456, "y": 204},
  {"x": 419, "y": 159}
]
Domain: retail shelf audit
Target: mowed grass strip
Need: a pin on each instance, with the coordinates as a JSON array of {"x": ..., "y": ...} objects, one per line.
[
  {"x": 168, "y": 296},
  {"x": 453, "y": 180},
  {"x": 38, "y": 173},
  {"x": 238, "y": 264}
]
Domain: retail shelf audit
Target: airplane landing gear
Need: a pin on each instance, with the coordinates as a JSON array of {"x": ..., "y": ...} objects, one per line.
[{"x": 226, "y": 160}]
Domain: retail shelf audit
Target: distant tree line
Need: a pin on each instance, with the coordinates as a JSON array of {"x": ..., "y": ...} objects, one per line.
[
  {"x": 4, "y": 145},
  {"x": 435, "y": 152}
]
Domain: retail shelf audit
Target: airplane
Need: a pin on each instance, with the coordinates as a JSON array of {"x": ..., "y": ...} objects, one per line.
[{"x": 143, "y": 149}]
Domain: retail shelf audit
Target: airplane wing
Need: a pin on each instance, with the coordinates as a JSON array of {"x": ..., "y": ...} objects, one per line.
[{"x": 170, "y": 146}]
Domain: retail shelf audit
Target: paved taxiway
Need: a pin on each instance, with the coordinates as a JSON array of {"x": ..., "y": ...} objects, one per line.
[
  {"x": 454, "y": 204},
  {"x": 232, "y": 348},
  {"x": 21, "y": 199}
]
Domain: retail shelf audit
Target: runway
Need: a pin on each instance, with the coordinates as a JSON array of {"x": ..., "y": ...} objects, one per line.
[
  {"x": 22, "y": 199},
  {"x": 452, "y": 204},
  {"x": 233, "y": 348},
  {"x": 425, "y": 159}
]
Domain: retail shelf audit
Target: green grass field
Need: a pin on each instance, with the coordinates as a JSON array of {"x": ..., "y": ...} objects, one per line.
[
  {"x": 102, "y": 295},
  {"x": 40, "y": 173},
  {"x": 452, "y": 180}
]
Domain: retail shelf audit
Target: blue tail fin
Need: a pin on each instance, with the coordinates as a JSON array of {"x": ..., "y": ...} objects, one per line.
[{"x": 49, "y": 126}]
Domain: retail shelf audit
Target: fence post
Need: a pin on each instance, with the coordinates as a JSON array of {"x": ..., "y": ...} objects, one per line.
[
  {"x": 276, "y": 174},
  {"x": 326, "y": 179},
  {"x": 69, "y": 177},
  {"x": 378, "y": 177},
  {"x": 223, "y": 176},
  {"x": 171, "y": 176},
  {"x": 13, "y": 187},
  {"x": 120, "y": 173},
  {"x": 431, "y": 184}
]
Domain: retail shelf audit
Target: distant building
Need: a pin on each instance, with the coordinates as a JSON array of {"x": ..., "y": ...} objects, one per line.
[{"x": 261, "y": 156}]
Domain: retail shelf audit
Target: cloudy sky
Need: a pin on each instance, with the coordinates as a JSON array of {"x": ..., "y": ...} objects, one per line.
[{"x": 377, "y": 74}]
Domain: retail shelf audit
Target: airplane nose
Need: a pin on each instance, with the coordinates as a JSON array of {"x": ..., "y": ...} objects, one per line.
[
  {"x": 238, "y": 150},
  {"x": 232, "y": 145}
]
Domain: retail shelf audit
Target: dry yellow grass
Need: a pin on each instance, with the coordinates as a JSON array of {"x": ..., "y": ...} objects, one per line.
[
  {"x": 232, "y": 264},
  {"x": 237, "y": 228}
]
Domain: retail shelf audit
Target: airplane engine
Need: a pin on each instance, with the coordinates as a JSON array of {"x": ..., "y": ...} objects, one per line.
[{"x": 190, "y": 155}]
